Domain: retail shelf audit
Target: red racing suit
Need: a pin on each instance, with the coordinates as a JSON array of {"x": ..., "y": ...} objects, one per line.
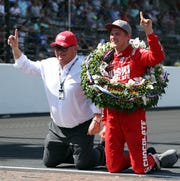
[{"x": 130, "y": 128}]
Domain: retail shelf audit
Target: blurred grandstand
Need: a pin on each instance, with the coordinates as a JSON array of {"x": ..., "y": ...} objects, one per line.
[{"x": 39, "y": 21}]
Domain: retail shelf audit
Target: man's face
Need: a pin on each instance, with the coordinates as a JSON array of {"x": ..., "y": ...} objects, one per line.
[
  {"x": 119, "y": 39},
  {"x": 65, "y": 55}
]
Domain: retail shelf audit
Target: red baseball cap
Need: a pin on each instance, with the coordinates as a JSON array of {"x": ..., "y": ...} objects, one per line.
[{"x": 65, "y": 39}]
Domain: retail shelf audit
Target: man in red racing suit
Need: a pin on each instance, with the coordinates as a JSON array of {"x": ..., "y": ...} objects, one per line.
[
  {"x": 122, "y": 127},
  {"x": 127, "y": 127}
]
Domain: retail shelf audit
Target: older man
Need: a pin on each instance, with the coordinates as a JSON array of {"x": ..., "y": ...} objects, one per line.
[{"x": 68, "y": 140}]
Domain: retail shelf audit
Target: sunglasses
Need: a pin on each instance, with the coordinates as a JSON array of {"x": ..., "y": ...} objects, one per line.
[{"x": 60, "y": 48}]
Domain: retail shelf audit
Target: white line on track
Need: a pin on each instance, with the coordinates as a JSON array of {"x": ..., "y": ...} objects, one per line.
[{"x": 86, "y": 172}]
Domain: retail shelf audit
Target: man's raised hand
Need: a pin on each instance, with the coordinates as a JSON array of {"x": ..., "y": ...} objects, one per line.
[
  {"x": 146, "y": 24},
  {"x": 13, "y": 40}
]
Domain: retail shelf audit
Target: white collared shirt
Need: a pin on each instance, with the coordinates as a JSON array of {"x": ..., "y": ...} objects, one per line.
[{"x": 75, "y": 108}]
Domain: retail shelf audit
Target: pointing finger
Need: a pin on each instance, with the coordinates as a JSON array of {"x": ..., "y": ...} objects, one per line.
[
  {"x": 141, "y": 16},
  {"x": 16, "y": 34},
  {"x": 143, "y": 20}
]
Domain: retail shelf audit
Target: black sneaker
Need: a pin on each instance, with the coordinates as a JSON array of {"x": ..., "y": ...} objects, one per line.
[
  {"x": 168, "y": 158},
  {"x": 164, "y": 160}
]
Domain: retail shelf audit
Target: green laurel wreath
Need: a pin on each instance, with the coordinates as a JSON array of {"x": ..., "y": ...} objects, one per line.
[{"x": 141, "y": 92}]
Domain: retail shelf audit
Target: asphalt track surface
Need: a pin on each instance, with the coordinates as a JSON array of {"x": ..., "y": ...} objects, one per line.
[{"x": 21, "y": 150}]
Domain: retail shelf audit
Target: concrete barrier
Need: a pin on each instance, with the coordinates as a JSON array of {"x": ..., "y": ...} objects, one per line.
[{"x": 21, "y": 93}]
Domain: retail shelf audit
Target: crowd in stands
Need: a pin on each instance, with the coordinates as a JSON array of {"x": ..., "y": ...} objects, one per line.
[{"x": 39, "y": 21}]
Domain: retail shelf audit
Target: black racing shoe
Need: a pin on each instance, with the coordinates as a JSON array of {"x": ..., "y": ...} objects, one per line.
[
  {"x": 168, "y": 158},
  {"x": 165, "y": 160}
]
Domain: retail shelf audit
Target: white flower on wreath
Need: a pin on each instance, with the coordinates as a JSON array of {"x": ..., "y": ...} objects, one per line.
[
  {"x": 114, "y": 80},
  {"x": 102, "y": 69},
  {"x": 130, "y": 83},
  {"x": 101, "y": 48},
  {"x": 96, "y": 78},
  {"x": 151, "y": 78},
  {"x": 136, "y": 43},
  {"x": 139, "y": 80},
  {"x": 135, "y": 81},
  {"x": 150, "y": 86}
]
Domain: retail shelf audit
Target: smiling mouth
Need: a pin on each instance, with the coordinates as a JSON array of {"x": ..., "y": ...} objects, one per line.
[{"x": 114, "y": 42}]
